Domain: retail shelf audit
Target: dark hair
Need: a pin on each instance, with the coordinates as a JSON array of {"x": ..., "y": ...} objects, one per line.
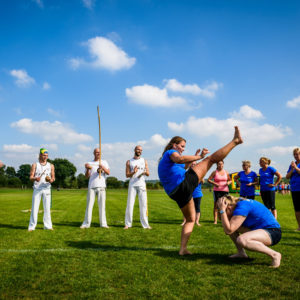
[{"x": 174, "y": 140}]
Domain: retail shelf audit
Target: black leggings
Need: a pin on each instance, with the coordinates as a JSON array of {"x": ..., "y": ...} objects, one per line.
[
  {"x": 296, "y": 200},
  {"x": 268, "y": 197}
]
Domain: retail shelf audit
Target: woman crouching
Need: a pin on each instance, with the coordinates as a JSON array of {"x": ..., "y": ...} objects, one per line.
[{"x": 251, "y": 226}]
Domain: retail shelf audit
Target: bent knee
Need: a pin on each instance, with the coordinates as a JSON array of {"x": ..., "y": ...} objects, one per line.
[{"x": 242, "y": 241}]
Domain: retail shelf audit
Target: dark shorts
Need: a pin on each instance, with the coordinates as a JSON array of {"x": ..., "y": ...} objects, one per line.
[
  {"x": 183, "y": 193},
  {"x": 248, "y": 197},
  {"x": 275, "y": 235},
  {"x": 268, "y": 197},
  {"x": 219, "y": 194},
  {"x": 296, "y": 200},
  {"x": 197, "y": 202}
]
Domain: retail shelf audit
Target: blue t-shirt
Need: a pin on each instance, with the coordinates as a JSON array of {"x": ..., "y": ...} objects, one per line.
[
  {"x": 267, "y": 177},
  {"x": 170, "y": 174},
  {"x": 197, "y": 193},
  {"x": 257, "y": 215},
  {"x": 295, "y": 180},
  {"x": 245, "y": 190}
]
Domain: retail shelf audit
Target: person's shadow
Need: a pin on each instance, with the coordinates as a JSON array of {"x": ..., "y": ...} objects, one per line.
[{"x": 11, "y": 226}]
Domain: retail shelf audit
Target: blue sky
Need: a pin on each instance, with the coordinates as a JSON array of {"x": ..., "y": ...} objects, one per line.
[{"x": 156, "y": 69}]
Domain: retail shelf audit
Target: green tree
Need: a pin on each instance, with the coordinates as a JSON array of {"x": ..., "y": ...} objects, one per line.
[
  {"x": 23, "y": 173},
  {"x": 63, "y": 169},
  {"x": 14, "y": 182},
  {"x": 10, "y": 172},
  {"x": 113, "y": 183},
  {"x": 82, "y": 181}
]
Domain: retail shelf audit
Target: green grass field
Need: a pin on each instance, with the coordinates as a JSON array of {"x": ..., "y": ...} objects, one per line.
[{"x": 113, "y": 263}]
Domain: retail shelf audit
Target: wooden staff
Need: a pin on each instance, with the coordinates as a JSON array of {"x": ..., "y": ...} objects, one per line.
[{"x": 99, "y": 141}]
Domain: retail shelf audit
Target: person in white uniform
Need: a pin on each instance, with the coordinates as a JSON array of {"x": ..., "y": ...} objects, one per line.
[
  {"x": 42, "y": 175},
  {"x": 136, "y": 170},
  {"x": 97, "y": 186}
]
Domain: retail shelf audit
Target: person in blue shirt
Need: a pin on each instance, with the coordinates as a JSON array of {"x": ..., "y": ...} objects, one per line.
[
  {"x": 293, "y": 174},
  {"x": 250, "y": 226},
  {"x": 247, "y": 180},
  {"x": 267, "y": 185},
  {"x": 180, "y": 185}
]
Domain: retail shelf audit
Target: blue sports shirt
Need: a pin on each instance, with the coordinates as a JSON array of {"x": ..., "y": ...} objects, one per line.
[
  {"x": 267, "y": 177},
  {"x": 197, "y": 192},
  {"x": 245, "y": 190},
  {"x": 257, "y": 215},
  {"x": 170, "y": 174},
  {"x": 295, "y": 180}
]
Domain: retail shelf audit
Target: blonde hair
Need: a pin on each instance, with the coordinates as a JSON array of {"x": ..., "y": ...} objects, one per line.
[
  {"x": 265, "y": 160},
  {"x": 231, "y": 200},
  {"x": 246, "y": 162},
  {"x": 296, "y": 150}
]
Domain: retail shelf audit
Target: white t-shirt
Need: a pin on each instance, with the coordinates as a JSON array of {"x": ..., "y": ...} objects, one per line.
[
  {"x": 46, "y": 171},
  {"x": 95, "y": 181},
  {"x": 135, "y": 180}
]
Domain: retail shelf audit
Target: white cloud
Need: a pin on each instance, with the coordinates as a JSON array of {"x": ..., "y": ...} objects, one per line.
[
  {"x": 153, "y": 96},
  {"x": 277, "y": 150},
  {"x": 23, "y": 148},
  {"x": 39, "y": 3},
  {"x": 46, "y": 86},
  {"x": 252, "y": 132},
  {"x": 88, "y": 3},
  {"x": 247, "y": 112},
  {"x": 209, "y": 91},
  {"x": 84, "y": 148},
  {"x": 55, "y": 131},
  {"x": 105, "y": 55},
  {"x": 23, "y": 79},
  {"x": 294, "y": 103},
  {"x": 53, "y": 112}
]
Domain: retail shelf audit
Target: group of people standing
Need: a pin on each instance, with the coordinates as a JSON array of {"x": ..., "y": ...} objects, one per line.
[
  {"x": 42, "y": 174},
  {"x": 250, "y": 224}
]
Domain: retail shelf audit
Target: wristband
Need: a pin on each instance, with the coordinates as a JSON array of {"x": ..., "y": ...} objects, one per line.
[{"x": 222, "y": 211}]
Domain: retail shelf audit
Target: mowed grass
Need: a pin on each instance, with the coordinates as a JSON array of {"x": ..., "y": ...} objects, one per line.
[{"x": 114, "y": 263}]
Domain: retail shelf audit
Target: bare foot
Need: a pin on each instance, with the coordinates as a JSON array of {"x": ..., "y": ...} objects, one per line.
[
  {"x": 105, "y": 226},
  {"x": 184, "y": 252},
  {"x": 298, "y": 229},
  {"x": 237, "y": 136},
  {"x": 276, "y": 260},
  {"x": 198, "y": 224},
  {"x": 215, "y": 223},
  {"x": 125, "y": 227},
  {"x": 182, "y": 224},
  {"x": 148, "y": 227},
  {"x": 239, "y": 255},
  {"x": 30, "y": 230}
]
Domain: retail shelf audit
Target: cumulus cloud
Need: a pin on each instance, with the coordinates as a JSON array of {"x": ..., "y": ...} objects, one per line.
[
  {"x": 84, "y": 148},
  {"x": 209, "y": 91},
  {"x": 277, "y": 150},
  {"x": 55, "y": 131},
  {"x": 53, "y": 112},
  {"x": 22, "y": 78},
  {"x": 88, "y": 3},
  {"x": 247, "y": 112},
  {"x": 253, "y": 132},
  {"x": 294, "y": 103},
  {"x": 153, "y": 96},
  {"x": 46, "y": 86},
  {"x": 105, "y": 54}
]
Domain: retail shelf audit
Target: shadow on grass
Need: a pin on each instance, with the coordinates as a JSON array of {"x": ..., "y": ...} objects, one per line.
[
  {"x": 68, "y": 224},
  {"x": 11, "y": 226}
]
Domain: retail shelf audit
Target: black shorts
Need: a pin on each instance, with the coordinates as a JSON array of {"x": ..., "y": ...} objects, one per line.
[
  {"x": 248, "y": 197},
  {"x": 197, "y": 202},
  {"x": 275, "y": 235},
  {"x": 183, "y": 193},
  {"x": 219, "y": 194},
  {"x": 296, "y": 200},
  {"x": 268, "y": 197}
]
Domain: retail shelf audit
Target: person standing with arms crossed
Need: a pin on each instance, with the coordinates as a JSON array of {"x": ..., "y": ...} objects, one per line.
[
  {"x": 97, "y": 187},
  {"x": 42, "y": 175},
  {"x": 136, "y": 170}
]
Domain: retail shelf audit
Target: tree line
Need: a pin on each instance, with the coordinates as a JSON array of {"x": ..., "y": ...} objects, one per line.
[{"x": 64, "y": 177}]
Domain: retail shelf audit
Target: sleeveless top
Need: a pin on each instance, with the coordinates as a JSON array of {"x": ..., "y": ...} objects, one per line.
[
  {"x": 222, "y": 181},
  {"x": 135, "y": 180},
  {"x": 94, "y": 180},
  {"x": 46, "y": 171}
]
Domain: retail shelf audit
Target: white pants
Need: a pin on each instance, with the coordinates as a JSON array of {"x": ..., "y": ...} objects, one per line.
[
  {"x": 142, "y": 195},
  {"x": 90, "y": 200},
  {"x": 36, "y": 200}
]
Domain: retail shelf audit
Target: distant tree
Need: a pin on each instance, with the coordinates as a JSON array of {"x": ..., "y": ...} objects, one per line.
[
  {"x": 10, "y": 172},
  {"x": 23, "y": 173},
  {"x": 82, "y": 181},
  {"x": 113, "y": 183},
  {"x": 63, "y": 170},
  {"x": 126, "y": 184},
  {"x": 14, "y": 182}
]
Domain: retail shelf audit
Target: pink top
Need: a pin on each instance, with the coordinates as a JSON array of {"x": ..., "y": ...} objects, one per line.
[{"x": 222, "y": 181}]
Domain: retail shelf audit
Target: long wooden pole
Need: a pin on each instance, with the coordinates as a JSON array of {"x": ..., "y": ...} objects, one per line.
[{"x": 99, "y": 139}]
